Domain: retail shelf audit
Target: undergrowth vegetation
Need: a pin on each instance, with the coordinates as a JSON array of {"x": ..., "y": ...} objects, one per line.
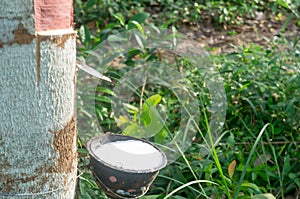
[
  {"x": 259, "y": 149},
  {"x": 100, "y": 13}
]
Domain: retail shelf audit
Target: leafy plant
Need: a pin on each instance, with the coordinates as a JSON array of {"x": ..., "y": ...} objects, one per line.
[
  {"x": 262, "y": 87},
  {"x": 146, "y": 120}
]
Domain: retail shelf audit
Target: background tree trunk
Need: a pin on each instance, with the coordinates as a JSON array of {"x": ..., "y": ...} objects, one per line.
[{"x": 37, "y": 92}]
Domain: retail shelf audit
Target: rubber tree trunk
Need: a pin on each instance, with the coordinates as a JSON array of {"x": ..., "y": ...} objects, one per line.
[{"x": 37, "y": 86}]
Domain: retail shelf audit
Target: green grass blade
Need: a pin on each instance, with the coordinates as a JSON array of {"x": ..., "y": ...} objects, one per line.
[
  {"x": 188, "y": 184},
  {"x": 248, "y": 160},
  {"x": 182, "y": 183},
  {"x": 277, "y": 165}
]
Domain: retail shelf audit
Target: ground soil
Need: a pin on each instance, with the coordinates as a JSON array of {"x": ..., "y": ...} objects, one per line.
[{"x": 261, "y": 30}]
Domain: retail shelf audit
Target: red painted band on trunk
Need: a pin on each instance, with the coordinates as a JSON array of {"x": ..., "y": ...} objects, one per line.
[{"x": 53, "y": 14}]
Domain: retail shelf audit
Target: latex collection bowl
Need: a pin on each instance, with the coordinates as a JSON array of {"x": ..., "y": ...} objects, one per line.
[{"x": 120, "y": 182}]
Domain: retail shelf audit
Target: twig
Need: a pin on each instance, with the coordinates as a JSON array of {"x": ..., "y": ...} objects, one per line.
[{"x": 141, "y": 98}]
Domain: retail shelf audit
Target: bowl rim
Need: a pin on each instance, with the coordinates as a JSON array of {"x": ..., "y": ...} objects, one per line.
[{"x": 152, "y": 170}]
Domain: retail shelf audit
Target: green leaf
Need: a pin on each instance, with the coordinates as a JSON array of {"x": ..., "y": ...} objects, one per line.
[
  {"x": 151, "y": 101},
  {"x": 134, "y": 130},
  {"x": 161, "y": 136},
  {"x": 140, "y": 40},
  {"x": 250, "y": 185},
  {"x": 152, "y": 122},
  {"x": 137, "y": 19},
  {"x": 149, "y": 109},
  {"x": 140, "y": 17},
  {"x": 121, "y": 120},
  {"x": 294, "y": 178},
  {"x": 245, "y": 86},
  {"x": 103, "y": 99},
  {"x": 283, "y": 3},
  {"x": 263, "y": 196},
  {"x": 132, "y": 52},
  {"x": 116, "y": 38},
  {"x": 91, "y": 3},
  {"x": 231, "y": 140},
  {"x": 85, "y": 35},
  {"x": 150, "y": 197},
  {"x": 83, "y": 151},
  {"x": 130, "y": 108},
  {"x": 105, "y": 90},
  {"x": 120, "y": 18},
  {"x": 83, "y": 188},
  {"x": 178, "y": 197}
]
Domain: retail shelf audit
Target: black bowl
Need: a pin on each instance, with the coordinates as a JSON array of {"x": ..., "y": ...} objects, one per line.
[{"x": 121, "y": 182}]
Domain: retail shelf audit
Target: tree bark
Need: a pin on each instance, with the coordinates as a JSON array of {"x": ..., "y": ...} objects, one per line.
[{"x": 38, "y": 145}]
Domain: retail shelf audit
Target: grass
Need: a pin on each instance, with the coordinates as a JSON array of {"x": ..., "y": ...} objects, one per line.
[{"x": 258, "y": 151}]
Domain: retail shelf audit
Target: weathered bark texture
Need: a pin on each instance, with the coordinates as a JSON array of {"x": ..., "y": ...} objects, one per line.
[{"x": 37, "y": 114}]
